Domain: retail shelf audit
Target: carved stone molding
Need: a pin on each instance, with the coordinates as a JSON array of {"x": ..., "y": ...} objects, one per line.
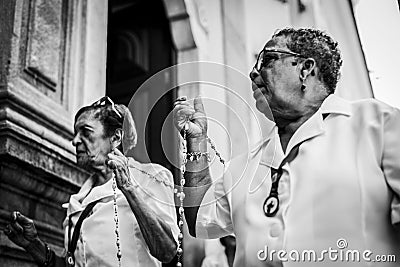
[
  {"x": 44, "y": 61},
  {"x": 180, "y": 24},
  {"x": 35, "y": 181},
  {"x": 44, "y": 31},
  {"x": 36, "y": 75},
  {"x": 44, "y": 41}
]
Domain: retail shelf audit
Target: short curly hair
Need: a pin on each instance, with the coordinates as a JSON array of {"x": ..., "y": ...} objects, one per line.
[{"x": 321, "y": 47}]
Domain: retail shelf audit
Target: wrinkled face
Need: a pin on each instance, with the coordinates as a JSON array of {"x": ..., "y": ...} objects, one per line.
[
  {"x": 91, "y": 145},
  {"x": 277, "y": 84}
]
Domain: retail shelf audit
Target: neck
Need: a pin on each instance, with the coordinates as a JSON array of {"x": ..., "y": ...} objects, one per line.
[
  {"x": 103, "y": 175},
  {"x": 288, "y": 126},
  {"x": 286, "y": 129}
]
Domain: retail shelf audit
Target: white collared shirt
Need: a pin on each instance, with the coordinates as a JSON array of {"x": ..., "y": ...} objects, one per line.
[
  {"x": 97, "y": 243},
  {"x": 344, "y": 184}
]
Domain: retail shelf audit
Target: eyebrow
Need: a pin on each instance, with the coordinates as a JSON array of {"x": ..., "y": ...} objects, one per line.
[
  {"x": 267, "y": 51},
  {"x": 84, "y": 126}
]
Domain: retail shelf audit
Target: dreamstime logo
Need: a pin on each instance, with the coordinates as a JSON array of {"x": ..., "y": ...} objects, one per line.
[
  {"x": 341, "y": 243},
  {"x": 233, "y": 123},
  {"x": 341, "y": 254}
]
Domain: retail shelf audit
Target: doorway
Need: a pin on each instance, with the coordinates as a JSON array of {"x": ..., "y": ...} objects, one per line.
[{"x": 139, "y": 45}]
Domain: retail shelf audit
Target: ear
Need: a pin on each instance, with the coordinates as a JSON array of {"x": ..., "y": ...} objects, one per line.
[
  {"x": 308, "y": 68},
  {"x": 116, "y": 139}
]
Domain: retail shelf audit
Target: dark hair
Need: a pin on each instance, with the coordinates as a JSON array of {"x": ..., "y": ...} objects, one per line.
[
  {"x": 106, "y": 115},
  {"x": 321, "y": 47},
  {"x": 111, "y": 122}
]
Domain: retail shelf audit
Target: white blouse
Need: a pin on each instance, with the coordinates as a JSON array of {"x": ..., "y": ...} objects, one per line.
[
  {"x": 97, "y": 243},
  {"x": 339, "y": 198}
]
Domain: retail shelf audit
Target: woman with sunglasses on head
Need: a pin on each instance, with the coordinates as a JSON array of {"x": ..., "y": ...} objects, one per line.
[
  {"x": 124, "y": 214},
  {"x": 323, "y": 189}
]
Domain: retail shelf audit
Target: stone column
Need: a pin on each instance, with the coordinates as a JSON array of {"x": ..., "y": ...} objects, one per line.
[{"x": 47, "y": 49}]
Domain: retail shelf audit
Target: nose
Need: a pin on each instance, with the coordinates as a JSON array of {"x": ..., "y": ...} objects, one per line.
[
  {"x": 254, "y": 74},
  {"x": 76, "y": 140}
]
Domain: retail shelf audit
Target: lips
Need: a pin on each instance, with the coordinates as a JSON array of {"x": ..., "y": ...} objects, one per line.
[
  {"x": 258, "y": 93},
  {"x": 80, "y": 152},
  {"x": 254, "y": 86}
]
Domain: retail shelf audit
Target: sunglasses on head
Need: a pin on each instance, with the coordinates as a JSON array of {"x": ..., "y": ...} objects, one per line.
[{"x": 104, "y": 101}]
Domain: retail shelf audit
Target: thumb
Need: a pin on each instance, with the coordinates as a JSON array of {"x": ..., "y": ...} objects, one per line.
[
  {"x": 198, "y": 104},
  {"x": 118, "y": 152},
  {"x": 22, "y": 220}
]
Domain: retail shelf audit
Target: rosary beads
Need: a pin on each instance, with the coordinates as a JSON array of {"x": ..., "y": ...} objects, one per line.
[
  {"x": 119, "y": 253},
  {"x": 192, "y": 156}
]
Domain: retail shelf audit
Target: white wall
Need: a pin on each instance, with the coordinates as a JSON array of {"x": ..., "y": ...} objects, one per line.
[
  {"x": 379, "y": 27},
  {"x": 89, "y": 53}
]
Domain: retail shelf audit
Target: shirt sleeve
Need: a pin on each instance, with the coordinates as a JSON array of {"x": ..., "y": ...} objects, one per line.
[
  {"x": 391, "y": 160},
  {"x": 214, "y": 215}
]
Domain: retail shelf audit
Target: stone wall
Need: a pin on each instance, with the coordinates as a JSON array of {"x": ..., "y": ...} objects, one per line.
[{"x": 44, "y": 60}]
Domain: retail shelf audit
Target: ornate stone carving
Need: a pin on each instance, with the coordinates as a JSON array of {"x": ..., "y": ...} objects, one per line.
[{"x": 44, "y": 41}]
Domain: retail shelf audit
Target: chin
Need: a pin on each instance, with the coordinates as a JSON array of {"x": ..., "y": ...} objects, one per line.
[
  {"x": 265, "y": 109},
  {"x": 84, "y": 162}
]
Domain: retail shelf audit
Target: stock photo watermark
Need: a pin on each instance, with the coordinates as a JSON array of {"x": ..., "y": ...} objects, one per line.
[{"x": 340, "y": 253}]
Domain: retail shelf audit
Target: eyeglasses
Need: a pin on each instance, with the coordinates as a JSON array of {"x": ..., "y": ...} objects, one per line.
[
  {"x": 268, "y": 55},
  {"x": 104, "y": 101}
]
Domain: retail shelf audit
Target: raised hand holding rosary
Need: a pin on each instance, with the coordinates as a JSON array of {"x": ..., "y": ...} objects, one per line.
[{"x": 191, "y": 156}]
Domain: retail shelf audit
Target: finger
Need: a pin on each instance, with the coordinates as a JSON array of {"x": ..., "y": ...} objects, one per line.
[
  {"x": 112, "y": 164},
  {"x": 22, "y": 220},
  {"x": 8, "y": 230},
  {"x": 121, "y": 174},
  {"x": 16, "y": 227},
  {"x": 118, "y": 159},
  {"x": 121, "y": 177},
  {"x": 185, "y": 113},
  {"x": 198, "y": 104},
  {"x": 181, "y": 98},
  {"x": 182, "y": 103},
  {"x": 182, "y": 115},
  {"x": 197, "y": 116},
  {"x": 118, "y": 175},
  {"x": 183, "y": 107},
  {"x": 118, "y": 152},
  {"x": 14, "y": 215}
]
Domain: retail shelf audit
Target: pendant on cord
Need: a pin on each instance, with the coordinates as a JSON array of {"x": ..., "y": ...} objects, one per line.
[
  {"x": 271, "y": 205},
  {"x": 70, "y": 259}
]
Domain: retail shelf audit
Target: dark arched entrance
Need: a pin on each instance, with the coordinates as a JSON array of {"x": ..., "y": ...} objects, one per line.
[{"x": 139, "y": 45}]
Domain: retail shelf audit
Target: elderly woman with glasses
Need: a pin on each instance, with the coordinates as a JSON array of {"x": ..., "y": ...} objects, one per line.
[
  {"x": 124, "y": 214},
  {"x": 323, "y": 188}
]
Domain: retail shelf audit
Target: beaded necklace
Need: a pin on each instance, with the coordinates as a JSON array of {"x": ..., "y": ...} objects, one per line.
[{"x": 116, "y": 220}]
